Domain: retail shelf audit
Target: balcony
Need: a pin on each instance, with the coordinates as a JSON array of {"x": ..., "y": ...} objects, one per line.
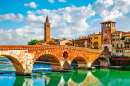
[{"x": 127, "y": 42}]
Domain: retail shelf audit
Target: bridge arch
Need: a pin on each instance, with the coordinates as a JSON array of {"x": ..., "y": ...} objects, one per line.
[
  {"x": 100, "y": 61},
  {"x": 54, "y": 61},
  {"x": 17, "y": 64},
  {"x": 81, "y": 62}
]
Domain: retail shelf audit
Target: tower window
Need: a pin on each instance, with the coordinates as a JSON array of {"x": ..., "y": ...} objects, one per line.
[
  {"x": 106, "y": 25},
  {"x": 105, "y": 31},
  {"x": 109, "y": 24},
  {"x": 48, "y": 25}
]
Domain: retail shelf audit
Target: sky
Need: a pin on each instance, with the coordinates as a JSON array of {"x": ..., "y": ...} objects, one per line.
[{"x": 23, "y": 20}]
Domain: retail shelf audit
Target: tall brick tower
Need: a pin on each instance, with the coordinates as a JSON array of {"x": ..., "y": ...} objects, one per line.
[
  {"x": 47, "y": 30},
  {"x": 106, "y": 35}
]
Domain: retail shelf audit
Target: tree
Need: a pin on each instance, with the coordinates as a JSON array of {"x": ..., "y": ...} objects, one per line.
[
  {"x": 33, "y": 42},
  {"x": 57, "y": 39},
  {"x": 64, "y": 38},
  {"x": 51, "y": 41}
]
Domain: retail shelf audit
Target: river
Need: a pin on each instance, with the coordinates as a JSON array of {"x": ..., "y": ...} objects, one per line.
[{"x": 42, "y": 76}]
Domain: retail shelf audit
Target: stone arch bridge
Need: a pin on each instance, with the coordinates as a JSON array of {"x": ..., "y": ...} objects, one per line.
[{"x": 60, "y": 56}]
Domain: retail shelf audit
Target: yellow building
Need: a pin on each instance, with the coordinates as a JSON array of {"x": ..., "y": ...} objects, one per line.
[
  {"x": 95, "y": 41},
  {"x": 127, "y": 45},
  {"x": 118, "y": 43}
]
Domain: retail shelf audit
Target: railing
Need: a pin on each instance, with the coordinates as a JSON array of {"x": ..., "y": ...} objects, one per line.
[
  {"x": 119, "y": 47},
  {"x": 127, "y": 42}
]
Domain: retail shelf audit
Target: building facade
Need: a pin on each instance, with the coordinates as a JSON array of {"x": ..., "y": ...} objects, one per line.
[
  {"x": 106, "y": 35},
  {"x": 127, "y": 45},
  {"x": 95, "y": 41},
  {"x": 82, "y": 42},
  {"x": 118, "y": 43}
]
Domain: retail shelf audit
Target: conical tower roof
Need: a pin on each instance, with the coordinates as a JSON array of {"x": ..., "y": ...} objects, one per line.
[{"x": 47, "y": 20}]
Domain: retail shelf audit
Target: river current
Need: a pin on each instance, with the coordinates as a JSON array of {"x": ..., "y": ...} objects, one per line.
[{"x": 42, "y": 76}]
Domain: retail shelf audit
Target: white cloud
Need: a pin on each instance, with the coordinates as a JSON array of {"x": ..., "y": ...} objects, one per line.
[
  {"x": 62, "y": 0},
  {"x": 69, "y": 22},
  {"x": 115, "y": 10},
  {"x": 21, "y": 35},
  {"x": 31, "y": 4},
  {"x": 52, "y": 1},
  {"x": 12, "y": 17}
]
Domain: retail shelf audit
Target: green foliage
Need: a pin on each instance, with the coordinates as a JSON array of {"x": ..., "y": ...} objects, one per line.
[
  {"x": 123, "y": 38},
  {"x": 51, "y": 41},
  {"x": 64, "y": 38},
  {"x": 57, "y": 39},
  {"x": 83, "y": 45},
  {"x": 33, "y": 42}
]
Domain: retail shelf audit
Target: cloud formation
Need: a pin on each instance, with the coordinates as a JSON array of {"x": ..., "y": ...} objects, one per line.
[
  {"x": 62, "y": 0},
  {"x": 66, "y": 22},
  {"x": 21, "y": 35},
  {"x": 31, "y": 4},
  {"x": 12, "y": 17},
  {"x": 69, "y": 22},
  {"x": 52, "y": 1}
]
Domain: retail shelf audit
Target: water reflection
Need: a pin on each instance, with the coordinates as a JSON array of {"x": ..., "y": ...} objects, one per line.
[
  {"x": 78, "y": 78},
  {"x": 98, "y": 77}
]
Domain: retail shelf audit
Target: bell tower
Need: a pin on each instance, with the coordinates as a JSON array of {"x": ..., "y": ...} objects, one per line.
[
  {"x": 106, "y": 35},
  {"x": 47, "y": 30}
]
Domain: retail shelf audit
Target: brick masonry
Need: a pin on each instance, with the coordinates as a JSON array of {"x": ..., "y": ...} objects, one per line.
[{"x": 23, "y": 57}]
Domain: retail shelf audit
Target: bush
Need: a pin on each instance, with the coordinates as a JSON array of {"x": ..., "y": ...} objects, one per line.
[{"x": 33, "y": 42}]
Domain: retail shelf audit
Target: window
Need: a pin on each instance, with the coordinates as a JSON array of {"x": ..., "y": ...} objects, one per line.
[
  {"x": 121, "y": 45},
  {"x": 48, "y": 25},
  {"x": 95, "y": 43},
  {"x": 95, "y": 47},
  {"x": 105, "y": 31},
  {"x": 112, "y": 45},
  {"x": 95, "y": 37},
  {"x": 113, "y": 39},
  {"x": 120, "y": 51},
  {"x": 117, "y": 39},
  {"x": 117, "y": 45},
  {"x": 105, "y": 39},
  {"x": 113, "y": 35},
  {"x": 117, "y": 34},
  {"x": 106, "y": 25},
  {"x": 117, "y": 51},
  {"x": 128, "y": 46},
  {"x": 109, "y": 24}
]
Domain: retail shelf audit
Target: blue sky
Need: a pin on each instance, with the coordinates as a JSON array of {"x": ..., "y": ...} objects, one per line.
[{"x": 23, "y": 20}]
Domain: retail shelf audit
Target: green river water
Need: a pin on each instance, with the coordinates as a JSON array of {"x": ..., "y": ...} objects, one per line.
[{"x": 97, "y": 77}]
